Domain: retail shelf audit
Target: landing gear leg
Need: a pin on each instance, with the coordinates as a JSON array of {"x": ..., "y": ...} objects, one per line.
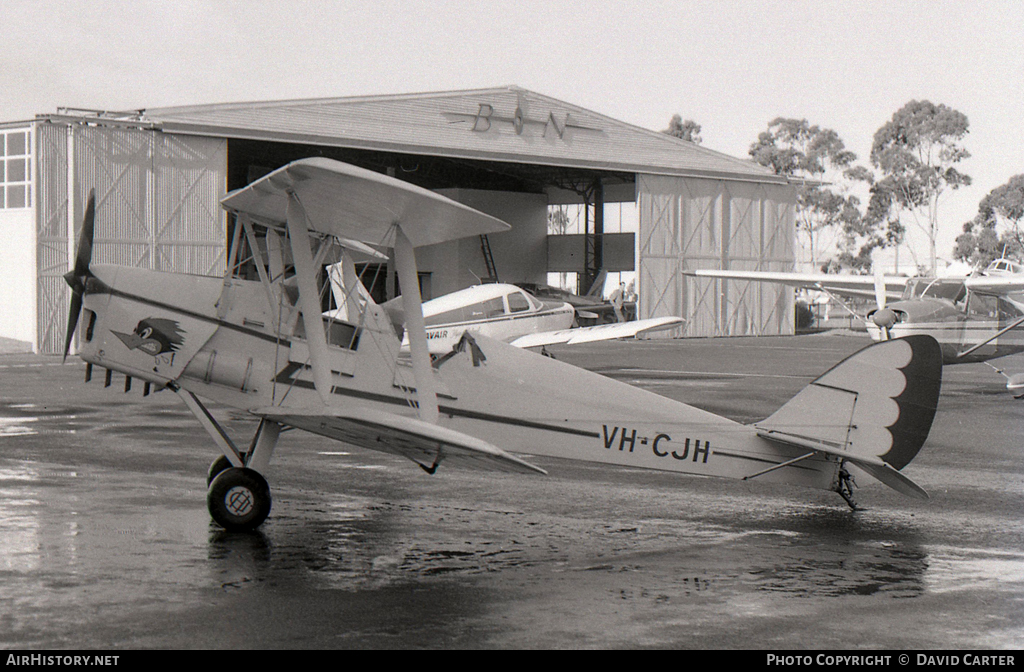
[
  {"x": 844, "y": 486},
  {"x": 238, "y": 497}
]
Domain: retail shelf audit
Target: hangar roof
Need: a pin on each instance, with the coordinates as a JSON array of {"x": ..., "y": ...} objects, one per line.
[{"x": 507, "y": 124}]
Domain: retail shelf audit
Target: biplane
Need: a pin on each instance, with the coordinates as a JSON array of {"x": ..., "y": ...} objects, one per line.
[{"x": 262, "y": 345}]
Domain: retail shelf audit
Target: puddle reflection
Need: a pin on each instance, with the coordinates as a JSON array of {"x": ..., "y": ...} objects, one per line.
[
  {"x": 954, "y": 569},
  {"x": 19, "y": 519},
  {"x": 861, "y": 570}
]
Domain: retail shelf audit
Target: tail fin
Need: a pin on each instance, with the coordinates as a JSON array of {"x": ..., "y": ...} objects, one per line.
[{"x": 874, "y": 409}]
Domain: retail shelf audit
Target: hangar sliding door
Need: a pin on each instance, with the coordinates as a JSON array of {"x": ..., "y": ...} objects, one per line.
[
  {"x": 52, "y": 259},
  {"x": 691, "y": 223},
  {"x": 157, "y": 207}
]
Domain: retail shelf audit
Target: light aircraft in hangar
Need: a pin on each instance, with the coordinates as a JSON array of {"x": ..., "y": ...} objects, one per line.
[
  {"x": 974, "y": 318},
  {"x": 263, "y": 347},
  {"x": 592, "y": 307},
  {"x": 501, "y": 311}
]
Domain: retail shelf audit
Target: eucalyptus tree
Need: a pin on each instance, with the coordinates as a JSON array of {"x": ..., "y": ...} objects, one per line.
[
  {"x": 824, "y": 170},
  {"x": 916, "y": 153},
  {"x": 996, "y": 230},
  {"x": 688, "y": 130}
]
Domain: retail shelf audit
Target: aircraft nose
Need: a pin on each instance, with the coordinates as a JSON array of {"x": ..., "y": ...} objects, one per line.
[{"x": 885, "y": 318}]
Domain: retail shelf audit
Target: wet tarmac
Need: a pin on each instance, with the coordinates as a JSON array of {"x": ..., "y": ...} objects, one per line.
[{"x": 106, "y": 543}]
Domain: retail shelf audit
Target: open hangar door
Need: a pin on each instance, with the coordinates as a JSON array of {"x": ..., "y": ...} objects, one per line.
[
  {"x": 690, "y": 223},
  {"x": 518, "y": 193}
]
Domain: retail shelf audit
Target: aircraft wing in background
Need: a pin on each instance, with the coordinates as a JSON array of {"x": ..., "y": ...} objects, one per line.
[
  {"x": 995, "y": 285},
  {"x": 600, "y": 332},
  {"x": 853, "y": 286}
]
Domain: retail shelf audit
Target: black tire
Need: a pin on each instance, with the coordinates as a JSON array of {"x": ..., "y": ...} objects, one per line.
[
  {"x": 239, "y": 499},
  {"x": 218, "y": 465}
]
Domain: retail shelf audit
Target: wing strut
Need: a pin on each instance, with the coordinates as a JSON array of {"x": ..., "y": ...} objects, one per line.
[
  {"x": 405, "y": 261},
  {"x": 309, "y": 297},
  {"x": 250, "y": 236},
  {"x": 1013, "y": 325},
  {"x": 779, "y": 466},
  {"x": 211, "y": 426}
]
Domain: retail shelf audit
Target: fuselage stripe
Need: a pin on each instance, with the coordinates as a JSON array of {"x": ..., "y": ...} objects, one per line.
[
  {"x": 494, "y": 320},
  {"x": 445, "y": 410},
  {"x": 199, "y": 316}
]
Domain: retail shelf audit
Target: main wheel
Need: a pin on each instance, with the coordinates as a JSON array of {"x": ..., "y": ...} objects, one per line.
[
  {"x": 218, "y": 465},
  {"x": 239, "y": 499}
]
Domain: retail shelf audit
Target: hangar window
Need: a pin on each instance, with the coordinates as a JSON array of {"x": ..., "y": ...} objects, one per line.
[{"x": 15, "y": 169}]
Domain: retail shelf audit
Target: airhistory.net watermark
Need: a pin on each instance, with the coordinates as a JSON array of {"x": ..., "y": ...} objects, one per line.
[{"x": 49, "y": 660}]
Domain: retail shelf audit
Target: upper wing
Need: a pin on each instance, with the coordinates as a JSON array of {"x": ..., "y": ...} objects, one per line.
[
  {"x": 856, "y": 286},
  {"x": 600, "y": 332},
  {"x": 350, "y": 202},
  {"x": 994, "y": 285},
  {"x": 425, "y": 444}
]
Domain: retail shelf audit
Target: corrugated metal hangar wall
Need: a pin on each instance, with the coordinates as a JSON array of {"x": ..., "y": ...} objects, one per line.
[
  {"x": 158, "y": 207},
  {"x": 160, "y": 174},
  {"x": 689, "y": 223}
]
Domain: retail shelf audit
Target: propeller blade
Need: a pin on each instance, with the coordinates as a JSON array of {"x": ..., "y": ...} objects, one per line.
[
  {"x": 883, "y": 317},
  {"x": 84, "y": 253},
  {"x": 76, "y": 309},
  {"x": 77, "y": 277},
  {"x": 879, "y": 287}
]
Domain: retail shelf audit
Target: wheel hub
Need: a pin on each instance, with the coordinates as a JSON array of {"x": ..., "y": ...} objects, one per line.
[{"x": 239, "y": 500}]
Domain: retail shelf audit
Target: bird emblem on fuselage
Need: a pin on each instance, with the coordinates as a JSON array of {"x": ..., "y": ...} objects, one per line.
[{"x": 154, "y": 336}]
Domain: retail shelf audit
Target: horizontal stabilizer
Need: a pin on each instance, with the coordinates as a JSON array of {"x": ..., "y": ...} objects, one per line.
[
  {"x": 424, "y": 443},
  {"x": 891, "y": 477},
  {"x": 600, "y": 332},
  {"x": 874, "y": 409},
  {"x": 346, "y": 201}
]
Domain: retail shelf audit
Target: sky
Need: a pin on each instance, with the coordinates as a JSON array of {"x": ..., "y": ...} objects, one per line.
[{"x": 730, "y": 65}]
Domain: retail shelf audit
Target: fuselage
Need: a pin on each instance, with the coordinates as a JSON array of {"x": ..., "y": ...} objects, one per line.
[
  {"x": 957, "y": 319},
  {"x": 228, "y": 345},
  {"x": 500, "y": 311}
]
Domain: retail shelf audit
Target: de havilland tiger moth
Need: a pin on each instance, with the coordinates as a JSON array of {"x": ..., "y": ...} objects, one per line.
[{"x": 263, "y": 346}]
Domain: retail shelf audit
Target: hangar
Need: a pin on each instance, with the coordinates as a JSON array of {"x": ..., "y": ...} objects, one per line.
[{"x": 159, "y": 175}]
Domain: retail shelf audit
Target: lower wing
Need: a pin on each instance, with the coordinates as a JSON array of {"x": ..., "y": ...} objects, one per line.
[
  {"x": 600, "y": 332},
  {"x": 425, "y": 444}
]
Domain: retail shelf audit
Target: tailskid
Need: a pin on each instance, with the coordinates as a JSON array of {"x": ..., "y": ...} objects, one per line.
[{"x": 844, "y": 485}]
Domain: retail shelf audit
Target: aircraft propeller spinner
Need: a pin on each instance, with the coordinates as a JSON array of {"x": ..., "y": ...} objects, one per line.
[
  {"x": 883, "y": 317},
  {"x": 79, "y": 276}
]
